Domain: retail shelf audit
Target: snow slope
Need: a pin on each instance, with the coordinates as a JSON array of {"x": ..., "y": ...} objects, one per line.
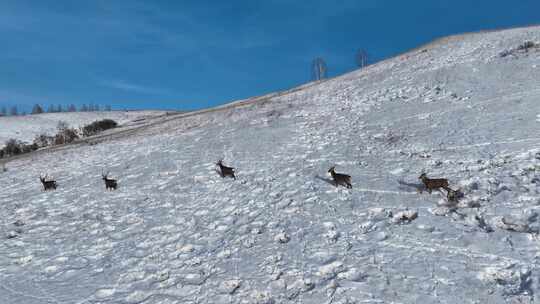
[
  {"x": 176, "y": 232},
  {"x": 26, "y": 128}
]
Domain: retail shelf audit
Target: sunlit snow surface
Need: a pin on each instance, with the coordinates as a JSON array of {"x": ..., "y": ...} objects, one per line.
[{"x": 176, "y": 232}]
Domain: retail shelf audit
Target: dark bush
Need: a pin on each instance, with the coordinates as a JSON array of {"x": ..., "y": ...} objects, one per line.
[
  {"x": 14, "y": 147},
  {"x": 526, "y": 45},
  {"x": 43, "y": 140},
  {"x": 522, "y": 48},
  {"x": 59, "y": 139},
  {"x": 29, "y": 148},
  {"x": 65, "y": 136},
  {"x": 70, "y": 134},
  {"x": 98, "y": 126}
]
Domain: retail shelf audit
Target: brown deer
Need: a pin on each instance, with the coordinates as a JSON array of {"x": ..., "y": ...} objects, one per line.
[
  {"x": 224, "y": 170},
  {"x": 47, "y": 184},
  {"x": 110, "y": 184},
  {"x": 340, "y": 179},
  {"x": 435, "y": 183}
]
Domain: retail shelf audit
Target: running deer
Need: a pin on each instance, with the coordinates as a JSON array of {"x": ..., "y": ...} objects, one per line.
[
  {"x": 110, "y": 184},
  {"x": 435, "y": 183},
  {"x": 340, "y": 179},
  {"x": 47, "y": 184},
  {"x": 224, "y": 170}
]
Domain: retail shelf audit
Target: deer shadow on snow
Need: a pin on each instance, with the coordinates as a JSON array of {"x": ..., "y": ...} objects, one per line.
[
  {"x": 407, "y": 187},
  {"x": 327, "y": 180}
]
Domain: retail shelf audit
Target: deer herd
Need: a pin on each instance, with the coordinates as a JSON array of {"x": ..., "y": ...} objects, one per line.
[{"x": 338, "y": 179}]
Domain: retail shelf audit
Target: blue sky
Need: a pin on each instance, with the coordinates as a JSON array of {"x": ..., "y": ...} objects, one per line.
[{"x": 193, "y": 54}]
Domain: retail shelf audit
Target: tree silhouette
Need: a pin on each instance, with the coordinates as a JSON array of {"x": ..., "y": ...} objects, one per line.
[
  {"x": 361, "y": 58},
  {"x": 37, "y": 109},
  {"x": 318, "y": 69}
]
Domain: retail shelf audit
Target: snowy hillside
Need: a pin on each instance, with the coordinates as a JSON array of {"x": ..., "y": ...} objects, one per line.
[
  {"x": 26, "y": 128},
  {"x": 466, "y": 108}
]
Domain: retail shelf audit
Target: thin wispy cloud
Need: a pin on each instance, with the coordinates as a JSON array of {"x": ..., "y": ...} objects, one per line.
[{"x": 135, "y": 88}]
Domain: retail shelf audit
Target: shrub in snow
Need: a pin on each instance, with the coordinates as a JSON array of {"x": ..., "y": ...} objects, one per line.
[
  {"x": 353, "y": 275},
  {"x": 404, "y": 217},
  {"x": 331, "y": 270},
  {"x": 525, "y": 46},
  {"x": 511, "y": 224},
  {"x": 282, "y": 238},
  {"x": 11, "y": 234},
  {"x": 29, "y": 148},
  {"x": 230, "y": 286},
  {"x": 505, "y": 53},
  {"x": 14, "y": 147},
  {"x": 512, "y": 279},
  {"x": 98, "y": 126},
  {"x": 65, "y": 136},
  {"x": 43, "y": 140},
  {"x": 478, "y": 220},
  {"x": 259, "y": 297},
  {"x": 332, "y": 236},
  {"x": 442, "y": 210}
]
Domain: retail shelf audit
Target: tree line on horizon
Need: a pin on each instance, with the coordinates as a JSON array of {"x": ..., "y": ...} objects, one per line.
[{"x": 38, "y": 109}]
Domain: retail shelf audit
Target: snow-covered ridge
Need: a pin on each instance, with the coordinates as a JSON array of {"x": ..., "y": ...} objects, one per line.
[
  {"x": 26, "y": 128},
  {"x": 176, "y": 232}
]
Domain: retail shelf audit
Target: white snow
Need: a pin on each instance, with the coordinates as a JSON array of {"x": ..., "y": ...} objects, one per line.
[{"x": 176, "y": 232}]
